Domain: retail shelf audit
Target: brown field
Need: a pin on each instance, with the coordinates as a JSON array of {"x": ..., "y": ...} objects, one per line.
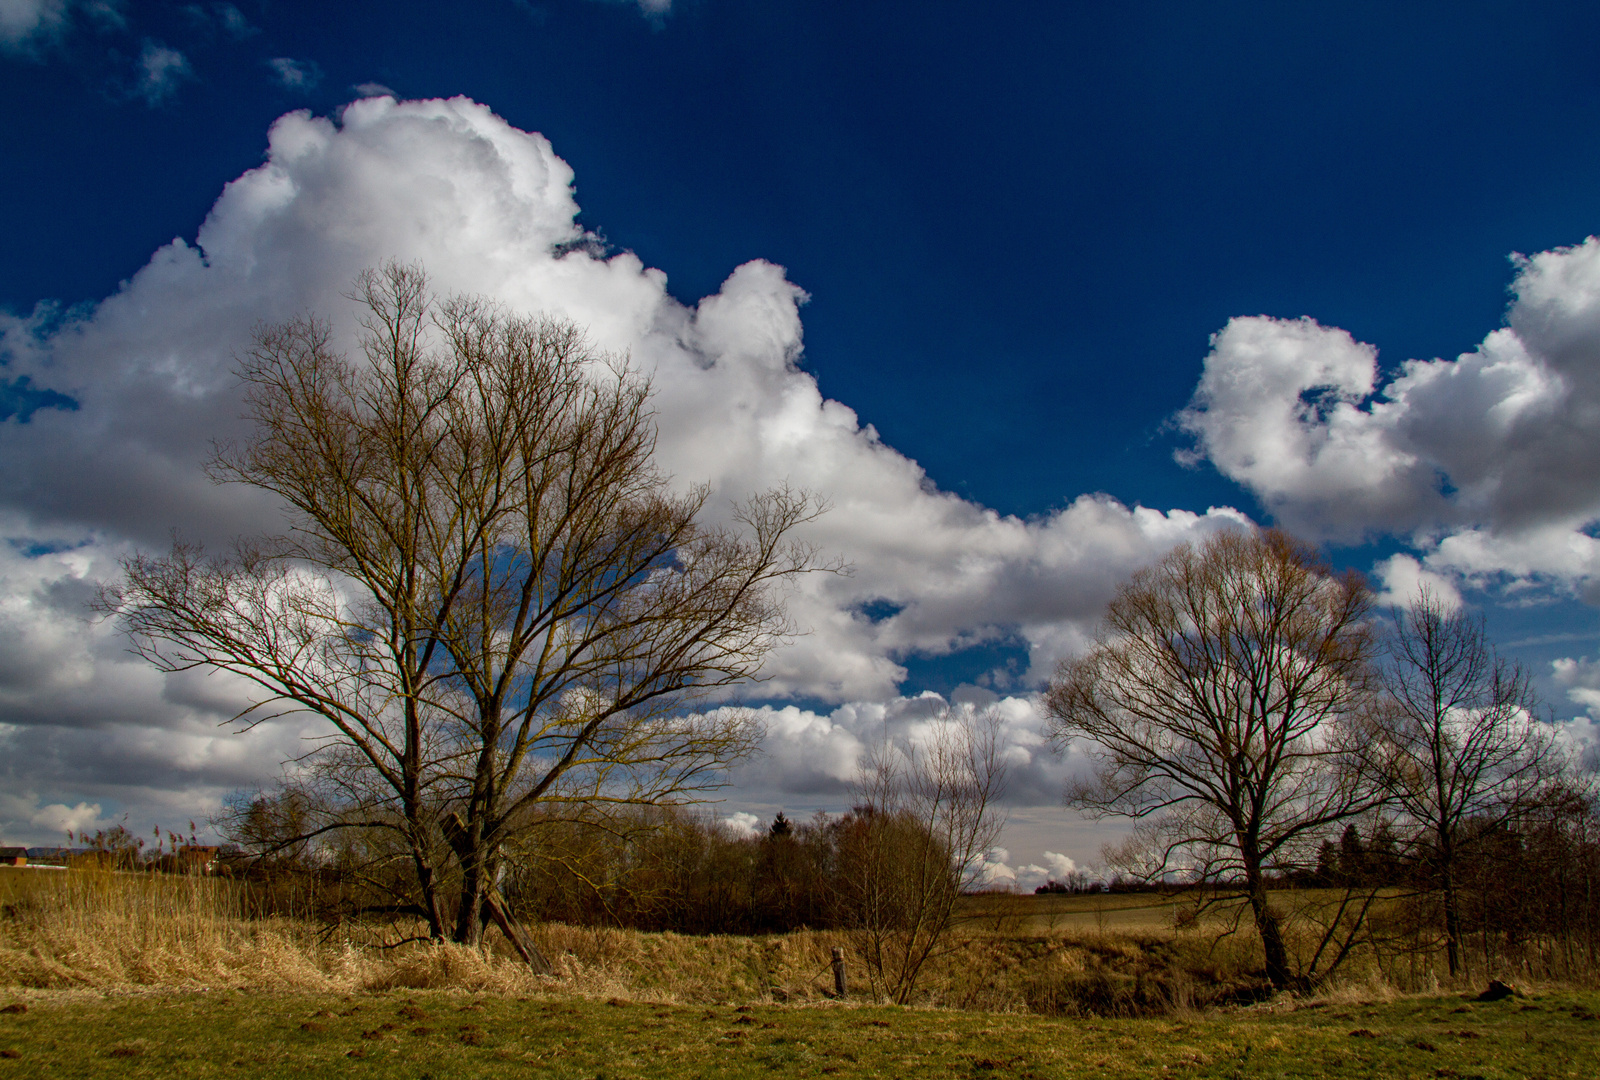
[{"x": 1047, "y": 913}]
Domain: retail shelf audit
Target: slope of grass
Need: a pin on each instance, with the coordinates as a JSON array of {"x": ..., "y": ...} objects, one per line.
[{"x": 452, "y": 1036}]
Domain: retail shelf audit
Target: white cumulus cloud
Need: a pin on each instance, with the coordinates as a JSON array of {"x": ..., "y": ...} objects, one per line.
[
  {"x": 488, "y": 208},
  {"x": 1488, "y": 461},
  {"x": 24, "y": 820},
  {"x": 743, "y": 824},
  {"x": 1404, "y": 580},
  {"x": 996, "y": 872}
]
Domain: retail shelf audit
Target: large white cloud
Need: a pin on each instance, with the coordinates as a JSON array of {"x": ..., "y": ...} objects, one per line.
[
  {"x": 490, "y": 209},
  {"x": 1488, "y": 462}
]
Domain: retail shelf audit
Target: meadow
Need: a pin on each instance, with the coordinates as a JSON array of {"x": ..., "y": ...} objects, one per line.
[
  {"x": 106, "y": 974},
  {"x": 442, "y": 1035}
]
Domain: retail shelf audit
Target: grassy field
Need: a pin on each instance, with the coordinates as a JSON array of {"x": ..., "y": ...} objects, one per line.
[
  {"x": 443, "y": 1036},
  {"x": 1048, "y": 913},
  {"x": 134, "y": 975},
  {"x": 1057, "y": 913}
]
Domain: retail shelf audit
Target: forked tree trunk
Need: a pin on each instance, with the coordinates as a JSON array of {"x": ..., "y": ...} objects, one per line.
[
  {"x": 481, "y": 902},
  {"x": 470, "y": 913}
]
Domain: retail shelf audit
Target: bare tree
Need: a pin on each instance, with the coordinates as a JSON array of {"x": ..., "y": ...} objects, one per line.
[
  {"x": 1457, "y": 742},
  {"x": 489, "y": 591},
  {"x": 928, "y": 815},
  {"x": 1214, "y": 702}
]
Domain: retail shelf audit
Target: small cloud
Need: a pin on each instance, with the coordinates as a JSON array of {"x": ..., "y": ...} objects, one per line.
[
  {"x": 374, "y": 89},
  {"x": 106, "y": 13},
  {"x": 1404, "y": 580},
  {"x": 161, "y": 69},
  {"x": 992, "y": 872},
  {"x": 743, "y": 824},
  {"x": 233, "y": 22},
  {"x": 25, "y": 23},
  {"x": 296, "y": 75},
  {"x": 22, "y": 818},
  {"x": 61, "y": 818},
  {"x": 1581, "y": 680},
  {"x": 226, "y": 17},
  {"x": 654, "y": 10}
]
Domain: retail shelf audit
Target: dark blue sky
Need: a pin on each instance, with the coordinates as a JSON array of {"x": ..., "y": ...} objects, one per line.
[{"x": 1018, "y": 223}]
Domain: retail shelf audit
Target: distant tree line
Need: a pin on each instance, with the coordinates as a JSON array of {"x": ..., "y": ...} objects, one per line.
[
  {"x": 888, "y": 873},
  {"x": 1526, "y": 889},
  {"x": 677, "y": 867}
]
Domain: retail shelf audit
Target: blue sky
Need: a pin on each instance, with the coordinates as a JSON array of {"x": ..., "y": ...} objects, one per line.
[{"x": 1018, "y": 228}]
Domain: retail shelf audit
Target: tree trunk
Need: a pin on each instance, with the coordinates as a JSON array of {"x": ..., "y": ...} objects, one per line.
[
  {"x": 1452, "y": 923},
  {"x": 474, "y": 886},
  {"x": 496, "y": 908},
  {"x": 430, "y": 893},
  {"x": 1451, "y": 897},
  {"x": 1267, "y": 924},
  {"x": 469, "y": 917}
]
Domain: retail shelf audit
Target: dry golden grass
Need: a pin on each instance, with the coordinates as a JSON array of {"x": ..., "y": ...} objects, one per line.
[
  {"x": 99, "y": 930},
  {"x": 95, "y": 928},
  {"x": 118, "y": 931}
]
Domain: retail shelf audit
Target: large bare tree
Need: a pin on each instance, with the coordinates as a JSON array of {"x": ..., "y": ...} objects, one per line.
[
  {"x": 1458, "y": 746},
  {"x": 1215, "y": 702},
  {"x": 489, "y": 591}
]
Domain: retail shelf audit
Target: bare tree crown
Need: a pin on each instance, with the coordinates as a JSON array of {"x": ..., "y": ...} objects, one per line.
[
  {"x": 1457, "y": 746},
  {"x": 1216, "y": 705},
  {"x": 489, "y": 589}
]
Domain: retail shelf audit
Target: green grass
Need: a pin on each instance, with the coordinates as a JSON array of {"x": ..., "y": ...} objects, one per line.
[{"x": 443, "y": 1036}]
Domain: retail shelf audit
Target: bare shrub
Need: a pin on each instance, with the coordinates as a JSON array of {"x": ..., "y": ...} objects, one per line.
[{"x": 927, "y": 816}]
